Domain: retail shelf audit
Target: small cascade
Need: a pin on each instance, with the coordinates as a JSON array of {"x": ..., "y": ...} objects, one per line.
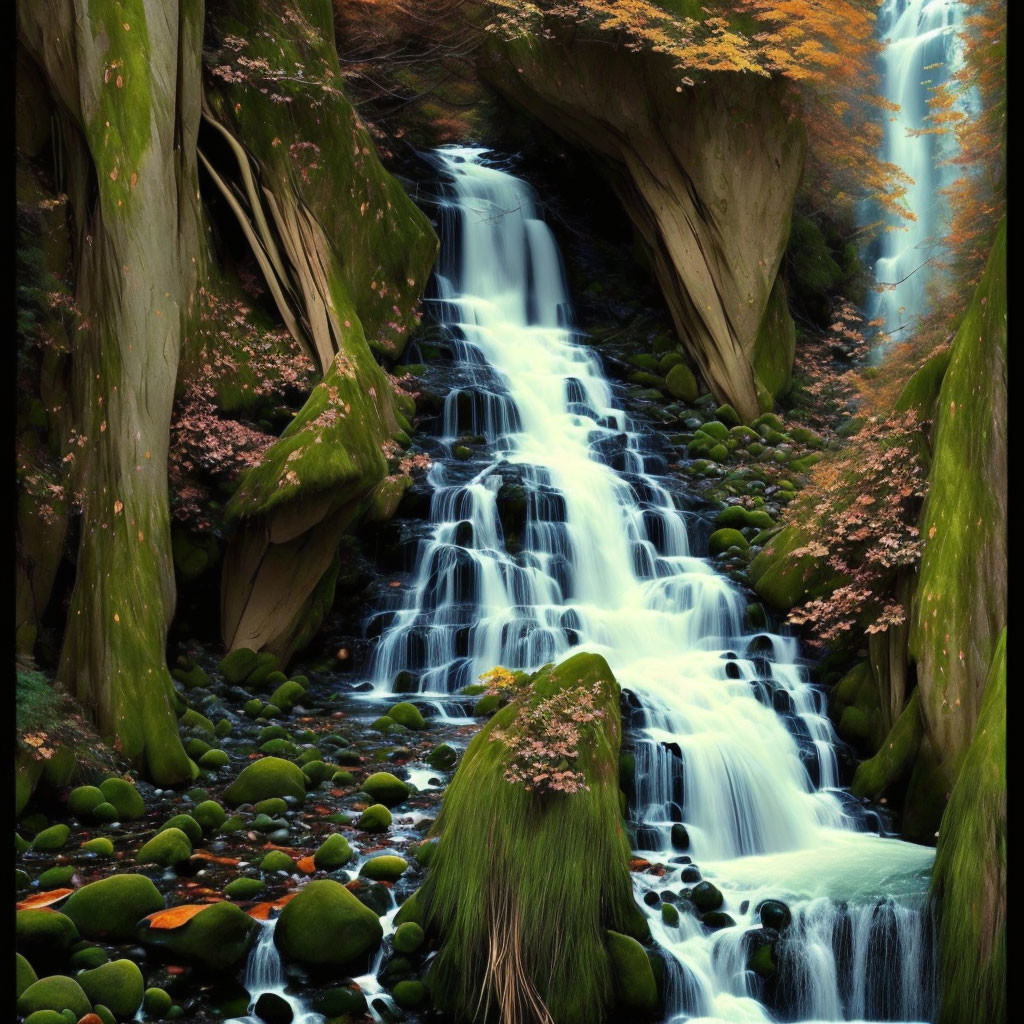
[
  {"x": 921, "y": 50},
  {"x": 264, "y": 975},
  {"x": 566, "y": 535}
]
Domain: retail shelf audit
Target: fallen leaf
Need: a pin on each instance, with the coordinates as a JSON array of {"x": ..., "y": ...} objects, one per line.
[
  {"x": 261, "y": 911},
  {"x": 214, "y": 859},
  {"x": 41, "y": 900},
  {"x": 306, "y": 865},
  {"x": 174, "y": 917}
]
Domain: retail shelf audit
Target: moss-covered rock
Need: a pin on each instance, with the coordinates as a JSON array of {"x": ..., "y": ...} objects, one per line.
[
  {"x": 408, "y": 715},
  {"x": 376, "y": 818},
  {"x": 888, "y": 771},
  {"x": 386, "y": 868},
  {"x": 236, "y": 665},
  {"x": 112, "y": 907},
  {"x": 408, "y": 937},
  {"x": 723, "y": 540},
  {"x": 411, "y": 995},
  {"x": 681, "y": 383},
  {"x": 214, "y": 760},
  {"x": 784, "y": 572},
  {"x": 52, "y": 838},
  {"x": 57, "y": 877},
  {"x": 83, "y": 800},
  {"x": 187, "y": 824},
  {"x": 101, "y": 846},
  {"x": 243, "y": 888},
  {"x": 89, "y": 957},
  {"x": 125, "y": 798},
  {"x": 118, "y": 985},
  {"x": 168, "y": 847},
  {"x": 218, "y": 938},
  {"x": 24, "y": 975},
  {"x": 156, "y": 1002},
  {"x": 442, "y": 757},
  {"x": 334, "y": 852},
  {"x": 267, "y": 777},
  {"x": 44, "y": 935},
  {"x": 287, "y": 695},
  {"x": 210, "y": 815},
  {"x": 277, "y": 860},
  {"x": 54, "y": 993},
  {"x": 386, "y": 789},
  {"x": 635, "y": 986},
  {"x": 326, "y": 924}
]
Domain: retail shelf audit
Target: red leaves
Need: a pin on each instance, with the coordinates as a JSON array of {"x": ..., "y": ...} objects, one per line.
[
  {"x": 175, "y": 917},
  {"x": 214, "y": 859}
]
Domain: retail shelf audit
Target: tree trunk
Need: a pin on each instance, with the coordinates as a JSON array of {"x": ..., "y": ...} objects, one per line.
[{"x": 126, "y": 75}]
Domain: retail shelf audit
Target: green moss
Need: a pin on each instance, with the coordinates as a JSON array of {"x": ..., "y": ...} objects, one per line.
[
  {"x": 267, "y": 777},
  {"x": 218, "y": 937},
  {"x": 83, "y": 800},
  {"x": 44, "y": 935},
  {"x": 277, "y": 860},
  {"x": 386, "y": 789},
  {"x": 783, "y": 574},
  {"x": 326, "y": 924},
  {"x": 408, "y": 715},
  {"x": 24, "y": 974},
  {"x": 52, "y": 838},
  {"x": 243, "y": 888},
  {"x": 168, "y": 847},
  {"x": 210, "y": 815},
  {"x": 376, "y": 818},
  {"x": 969, "y": 877},
  {"x": 54, "y": 993},
  {"x": 384, "y": 869},
  {"x": 334, "y": 852},
  {"x": 125, "y": 798},
  {"x": 558, "y": 862},
  {"x": 111, "y": 907},
  {"x": 287, "y": 695},
  {"x": 921, "y": 392},
  {"x": 635, "y": 987},
  {"x": 722, "y": 540},
  {"x": 187, "y": 824},
  {"x": 101, "y": 845},
  {"x": 887, "y": 773},
  {"x": 156, "y": 1002},
  {"x": 118, "y": 985}
]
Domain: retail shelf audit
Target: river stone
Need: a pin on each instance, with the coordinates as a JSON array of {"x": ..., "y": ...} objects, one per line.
[
  {"x": 187, "y": 824},
  {"x": 24, "y": 975},
  {"x": 45, "y": 935},
  {"x": 335, "y": 1002},
  {"x": 426, "y": 851},
  {"x": 218, "y": 937},
  {"x": 111, "y": 907},
  {"x": 277, "y": 860},
  {"x": 118, "y": 985},
  {"x": 408, "y": 937},
  {"x": 167, "y": 847},
  {"x": 125, "y": 798},
  {"x": 52, "y": 838},
  {"x": 715, "y": 919},
  {"x": 706, "y": 897},
  {"x": 287, "y": 695},
  {"x": 326, "y": 924},
  {"x": 408, "y": 715},
  {"x": 271, "y": 1008},
  {"x": 681, "y": 383},
  {"x": 89, "y": 957},
  {"x": 384, "y": 869},
  {"x": 633, "y": 977},
  {"x": 83, "y": 799},
  {"x": 376, "y": 818},
  {"x": 213, "y": 760},
  {"x": 243, "y": 888},
  {"x": 156, "y": 1002},
  {"x": 101, "y": 846},
  {"x": 270, "y": 776},
  {"x": 410, "y": 995},
  {"x": 722, "y": 540},
  {"x": 51, "y": 1017},
  {"x": 442, "y": 757},
  {"x": 210, "y": 815},
  {"x": 386, "y": 789},
  {"x": 333, "y": 853},
  {"x": 774, "y": 914},
  {"x": 58, "y": 877},
  {"x": 680, "y": 837},
  {"x": 54, "y": 993}
]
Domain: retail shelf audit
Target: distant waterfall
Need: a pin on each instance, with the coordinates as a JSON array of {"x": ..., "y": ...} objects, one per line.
[
  {"x": 732, "y": 740},
  {"x": 921, "y": 50}
]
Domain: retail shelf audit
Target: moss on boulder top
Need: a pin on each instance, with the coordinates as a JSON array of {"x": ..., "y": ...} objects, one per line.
[
  {"x": 326, "y": 924},
  {"x": 217, "y": 938},
  {"x": 554, "y": 866},
  {"x": 112, "y": 907},
  {"x": 267, "y": 777}
]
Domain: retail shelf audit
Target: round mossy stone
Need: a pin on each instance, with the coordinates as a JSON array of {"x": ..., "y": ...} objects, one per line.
[
  {"x": 54, "y": 993},
  {"x": 21, "y": 844},
  {"x": 156, "y": 1002},
  {"x": 111, "y": 907},
  {"x": 45, "y": 935},
  {"x": 277, "y": 747},
  {"x": 410, "y": 995},
  {"x": 408, "y": 938},
  {"x": 716, "y": 919},
  {"x": 210, "y": 815},
  {"x": 410, "y": 910},
  {"x": 343, "y": 778},
  {"x": 233, "y": 824},
  {"x": 24, "y": 974},
  {"x": 57, "y": 877},
  {"x": 83, "y": 799},
  {"x": 426, "y": 851},
  {"x": 633, "y": 977},
  {"x": 267, "y": 777},
  {"x": 195, "y": 748},
  {"x": 318, "y": 771},
  {"x": 718, "y": 453},
  {"x": 21, "y": 880},
  {"x": 214, "y": 759},
  {"x": 669, "y": 915},
  {"x": 273, "y": 806},
  {"x": 384, "y": 724},
  {"x": 386, "y": 789},
  {"x": 761, "y": 961},
  {"x": 52, "y": 838},
  {"x": 722, "y": 540},
  {"x": 187, "y": 824},
  {"x": 218, "y": 937},
  {"x": 269, "y": 711},
  {"x": 310, "y": 755},
  {"x": 326, "y": 924},
  {"x": 376, "y": 818},
  {"x": 101, "y": 845},
  {"x": 681, "y": 383},
  {"x": 168, "y": 847},
  {"x": 335, "y": 1002},
  {"x": 125, "y": 797},
  {"x": 118, "y": 985},
  {"x": 706, "y": 896},
  {"x": 221, "y": 729},
  {"x": 236, "y": 665},
  {"x": 105, "y": 812},
  {"x": 333, "y": 853},
  {"x": 273, "y": 732},
  {"x": 287, "y": 695},
  {"x": 774, "y": 914},
  {"x": 46, "y": 1017},
  {"x": 384, "y": 869},
  {"x": 105, "y": 1016},
  {"x": 252, "y": 707},
  {"x": 408, "y": 715},
  {"x": 90, "y": 957},
  {"x": 487, "y": 705},
  {"x": 277, "y": 860},
  {"x": 243, "y": 888}
]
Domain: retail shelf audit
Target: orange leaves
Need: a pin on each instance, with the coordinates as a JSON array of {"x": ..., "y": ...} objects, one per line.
[
  {"x": 174, "y": 917},
  {"x": 306, "y": 865},
  {"x": 214, "y": 859},
  {"x": 261, "y": 911},
  {"x": 41, "y": 900}
]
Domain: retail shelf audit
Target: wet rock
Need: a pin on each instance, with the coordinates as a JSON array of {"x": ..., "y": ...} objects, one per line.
[
  {"x": 54, "y": 993},
  {"x": 386, "y": 789},
  {"x": 168, "y": 847},
  {"x": 774, "y": 914},
  {"x": 716, "y": 919},
  {"x": 408, "y": 938},
  {"x": 83, "y": 800},
  {"x": 669, "y": 915},
  {"x": 187, "y": 824},
  {"x": 243, "y": 888},
  {"x": 333, "y": 853},
  {"x": 52, "y": 838},
  {"x": 156, "y": 1002},
  {"x": 124, "y": 797},
  {"x": 210, "y": 815},
  {"x": 113, "y": 906},
  {"x": 277, "y": 860},
  {"x": 386, "y": 868},
  {"x": 335, "y": 1002},
  {"x": 271, "y": 1008},
  {"x": 690, "y": 873},
  {"x": 376, "y": 818},
  {"x": 632, "y": 975},
  {"x": 407, "y": 714},
  {"x": 217, "y": 938},
  {"x": 118, "y": 985},
  {"x": 442, "y": 757},
  {"x": 410, "y": 995},
  {"x": 326, "y": 924},
  {"x": 680, "y": 837},
  {"x": 706, "y": 897},
  {"x": 270, "y": 776}
]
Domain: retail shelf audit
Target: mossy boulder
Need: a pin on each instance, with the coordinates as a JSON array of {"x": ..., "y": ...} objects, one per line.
[
  {"x": 737, "y": 517},
  {"x": 237, "y": 664},
  {"x": 24, "y": 975},
  {"x": 213, "y": 760},
  {"x": 408, "y": 715},
  {"x": 83, "y": 800},
  {"x": 411, "y": 995},
  {"x": 112, "y": 907},
  {"x": 287, "y": 695},
  {"x": 386, "y": 868},
  {"x": 210, "y": 815},
  {"x": 156, "y": 1002},
  {"x": 168, "y": 847},
  {"x": 326, "y": 924},
  {"x": 442, "y": 757},
  {"x": 334, "y": 852},
  {"x": 243, "y": 888},
  {"x": 218, "y": 938},
  {"x": 277, "y": 860},
  {"x": 376, "y": 818},
  {"x": 89, "y": 957},
  {"x": 706, "y": 897},
  {"x": 632, "y": 975},
  {"x": 408, "y": 937},
  {"x": 52, "y": 838},
  {"x": 270, "y": 776},
  {"x": 45, "y": 935},
  {"x": 723, "y": 540},
  {"x": 118, "y": 985},
  {"x": 681, "y": 383},
  {"x": 386, "y": 789},
  {"x": 124, "y": 797},
  {"x": 784, "y": 572},
  {"x": 187, "y": 824},
  {"x": 101, "y": 846},
  {"x": 54, "y": 993},
  {"x": 57, "y": 877}
]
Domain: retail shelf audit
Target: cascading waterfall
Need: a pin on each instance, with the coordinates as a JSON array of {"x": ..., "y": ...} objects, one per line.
[
  {"x": 732, "y": 741},
  {"x": 921, "y": 50}
]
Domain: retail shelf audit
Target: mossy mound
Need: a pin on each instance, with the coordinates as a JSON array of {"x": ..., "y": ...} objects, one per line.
[
  {"x": 54, "y": 993},
  {"x": 277, "y": 860},
  {"x": 287, "y": 695},
  {"x": 210, "y": 815},
  {"x": 408, "y": 715},
  {"x": 270, "y": 776},
  {"x": 168, "y": 847},
  {"x": 217, "y": 938},
  {"x": 557, "y": 864},
  {"x": 386, "y": 789},
  {"x": 125, "y": 798},
  {"x": 384, "y": 869},
  {"x": 118, "y": 985},
  {"x": 187, "y": 824},
  {"x": 83, "y": 800},
  {"x": 376, "y": 818},
  {"x": 633, "y": 978},
  {"x": 45, "y": 935},
  {"x": 723, "y": 540},
  {"x": 243, "y": 888},
  {"x": 408, "y": 937},
  {"x": 112, "y": 907},
  {"x": 334, "y": 852},
  {"x": 784, "y": 573},
  {"x": 24, "y": 975},
  {"x": 326, "y": 924},
  {"x": 52, "y": 838}
]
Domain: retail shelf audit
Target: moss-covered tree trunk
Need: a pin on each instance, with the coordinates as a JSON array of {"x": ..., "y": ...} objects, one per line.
[{"x": 125, "y": 75}]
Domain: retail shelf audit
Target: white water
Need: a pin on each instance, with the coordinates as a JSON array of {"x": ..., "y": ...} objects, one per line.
[
  {"x": 921, "y": 51},
  {"x": 606, "y": 566}
]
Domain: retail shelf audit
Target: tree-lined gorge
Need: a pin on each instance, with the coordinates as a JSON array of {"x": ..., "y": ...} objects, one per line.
[{"x": 511, "y": 512}]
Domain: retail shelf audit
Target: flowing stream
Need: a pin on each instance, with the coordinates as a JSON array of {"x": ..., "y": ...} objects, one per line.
[
  {"x": 921, "y": 50},
  {"x": 731, "y": 738}
]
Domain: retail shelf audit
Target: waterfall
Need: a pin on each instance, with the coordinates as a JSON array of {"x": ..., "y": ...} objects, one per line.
[
  {"x": 921, "y": 49},
  {"x": 732, "y": 740}
]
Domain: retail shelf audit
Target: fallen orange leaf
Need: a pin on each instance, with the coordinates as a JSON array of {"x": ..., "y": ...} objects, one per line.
[
  {"x": 174, "y": 917},
  {"x": 214, "y": 859},
  {"x": 261, "y": 911},
  {"x": 306, "y": 864},
  {"x": 41, "y": 900}
]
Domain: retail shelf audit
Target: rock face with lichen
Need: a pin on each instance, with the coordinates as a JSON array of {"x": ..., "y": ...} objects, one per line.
[{"x": 707, "y": 175}]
